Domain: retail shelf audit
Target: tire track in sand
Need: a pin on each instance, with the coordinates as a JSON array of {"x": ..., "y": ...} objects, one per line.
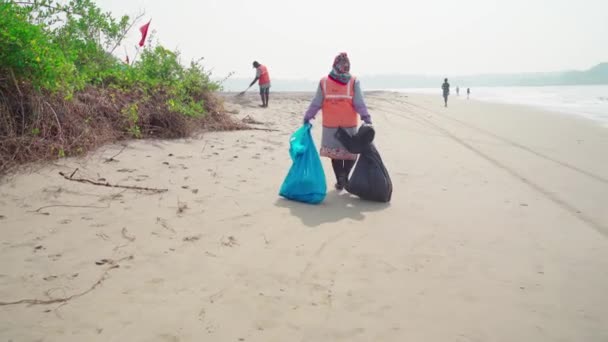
[{"x": 570, "y": 208}]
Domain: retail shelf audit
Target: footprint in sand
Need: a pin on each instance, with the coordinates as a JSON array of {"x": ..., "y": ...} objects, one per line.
[
  {"x": 231, "y": 241},
  {"x": 275, "y": 143},
  {"x": 192, "y": 238},
  {"x": 103, "y": 236},
  {"x": 55, "y": 257},
  {"x": 66, "y": 221}
]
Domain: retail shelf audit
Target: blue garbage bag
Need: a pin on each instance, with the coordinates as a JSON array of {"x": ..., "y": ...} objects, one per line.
[{"x": 305, "y": 181}]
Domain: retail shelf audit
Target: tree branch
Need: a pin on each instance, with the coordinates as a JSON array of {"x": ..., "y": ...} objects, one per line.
[
  {"x": 114, "y": 264},
  {"x": 41, "y": 5},
  {"x": 109, "y": 159},
  {"x": 69, "y": 206},
  {"x": 127, "y": 29},
  {"x": 57, "y": 120},
  {"x": 84, "y": 180},
  {"x": 20, "y": 100}
]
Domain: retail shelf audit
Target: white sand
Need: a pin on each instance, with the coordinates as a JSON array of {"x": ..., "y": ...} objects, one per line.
[{"x": 498, "y": 231}]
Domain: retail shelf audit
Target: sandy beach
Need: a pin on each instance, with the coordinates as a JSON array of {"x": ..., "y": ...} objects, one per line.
[{"x": 497, "y": 231}]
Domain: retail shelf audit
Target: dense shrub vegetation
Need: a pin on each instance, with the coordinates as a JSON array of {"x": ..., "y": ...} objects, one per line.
[{"x": 63, "y": 92}]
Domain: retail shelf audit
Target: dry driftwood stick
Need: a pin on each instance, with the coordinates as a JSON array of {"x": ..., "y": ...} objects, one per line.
[
  {"x": 76, "y": 295},
  {"x": 116, "y": 155},
  {"x": 69, "y": 206},
  {"x": 261, "y": 129},
  {"x": 73, "y": 173},
  {"x": 132, "y": 187}
]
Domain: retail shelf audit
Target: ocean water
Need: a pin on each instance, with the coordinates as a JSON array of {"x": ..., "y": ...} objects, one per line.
[{"x": 590, "y": 101}]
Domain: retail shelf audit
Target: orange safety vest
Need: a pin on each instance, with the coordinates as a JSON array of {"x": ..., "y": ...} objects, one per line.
[
  {"x": 338, "y": 109},
  {"x": 264, "y": 77}
]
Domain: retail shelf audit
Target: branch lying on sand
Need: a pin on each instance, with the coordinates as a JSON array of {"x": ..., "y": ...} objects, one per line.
[
  {"x": 132, "y": 187},
  {"x": 261, "y": 129},
  {"x": 114, "y": 265},
  {"x": 111, "y": 159},
  {"x": 69, "y": 206},
  {"x": 249, "y": 120}
]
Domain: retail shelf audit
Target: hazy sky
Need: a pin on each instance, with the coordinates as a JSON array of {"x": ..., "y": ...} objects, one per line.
[{"x": 298, "y": 39}]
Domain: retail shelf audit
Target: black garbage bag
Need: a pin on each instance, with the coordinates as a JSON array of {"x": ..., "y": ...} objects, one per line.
[
  {"x": 359, "y": 142},
  {"x": 370, "y": 179}
]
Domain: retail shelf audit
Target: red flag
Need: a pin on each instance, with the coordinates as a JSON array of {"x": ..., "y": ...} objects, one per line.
[{"x": 144, "y": 33}]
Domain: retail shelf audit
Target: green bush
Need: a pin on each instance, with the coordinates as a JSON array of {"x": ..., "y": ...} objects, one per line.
[
  {"x": 67, "y": 47},
  {"x": 29, "y": 53}
]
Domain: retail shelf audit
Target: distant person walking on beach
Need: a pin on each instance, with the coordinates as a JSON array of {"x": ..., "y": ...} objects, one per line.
[
  {"x": 340, "y": 98},
  {"x": 468, "y": 92},
  {"x": 457, "y": 91},
  {"x": 263, "y": 79},
  {"x": 446, "y": 91}
]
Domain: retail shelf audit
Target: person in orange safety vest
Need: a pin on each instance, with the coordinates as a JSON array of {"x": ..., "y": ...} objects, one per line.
[
  {"x": 340, "y": 99},
  {"x": 263, "y": 79}
]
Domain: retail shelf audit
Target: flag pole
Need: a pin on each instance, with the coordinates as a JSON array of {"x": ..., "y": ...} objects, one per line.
[
  {"x": 142, "y": 42},
  {"x": 135, "y": 57}
]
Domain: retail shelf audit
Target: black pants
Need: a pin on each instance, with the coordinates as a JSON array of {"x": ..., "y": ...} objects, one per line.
[{"x": 342, "y": 168}]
